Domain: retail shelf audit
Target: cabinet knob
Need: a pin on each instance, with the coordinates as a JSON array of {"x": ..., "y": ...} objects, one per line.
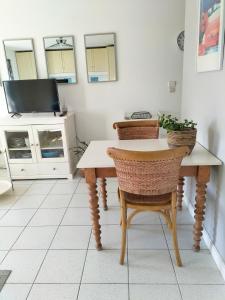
[
  {"x": 54, "y": 169},
  {"x": 22, "y": 170},
  {"x": 32, "y": 145},
  {"x": 37, "y": 145}
]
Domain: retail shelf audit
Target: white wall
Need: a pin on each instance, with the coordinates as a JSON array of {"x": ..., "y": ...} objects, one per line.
[
  {"x": 204, "y": 102},
  {"x": 148, "y": 56}
]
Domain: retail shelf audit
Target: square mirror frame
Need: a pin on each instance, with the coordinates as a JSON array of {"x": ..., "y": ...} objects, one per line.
[
  {"x": 20, "y": 39},
  {"x": 74, "y": 56},
  {"x": 115, "y": 52}
]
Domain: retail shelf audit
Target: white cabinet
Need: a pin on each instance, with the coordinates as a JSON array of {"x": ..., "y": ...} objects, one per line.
[{"x": 40, "y": 147}]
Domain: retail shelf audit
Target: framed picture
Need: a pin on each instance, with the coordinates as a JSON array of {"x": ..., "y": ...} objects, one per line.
[{"x": 210, "y": 35}]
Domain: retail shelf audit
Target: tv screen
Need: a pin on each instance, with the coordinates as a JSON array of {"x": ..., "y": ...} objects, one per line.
[{"x": 26, "y": 96}]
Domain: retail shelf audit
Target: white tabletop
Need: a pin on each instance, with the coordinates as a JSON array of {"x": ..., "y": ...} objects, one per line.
[{"x": 96, "y": 157}]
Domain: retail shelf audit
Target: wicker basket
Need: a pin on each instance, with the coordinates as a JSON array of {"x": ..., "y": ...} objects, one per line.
[{"x": 182, "y": 138}]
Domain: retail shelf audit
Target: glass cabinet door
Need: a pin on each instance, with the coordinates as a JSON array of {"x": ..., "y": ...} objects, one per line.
[
  {"x": 19, "y": 145},
  {"x": 50, "y": 143}
]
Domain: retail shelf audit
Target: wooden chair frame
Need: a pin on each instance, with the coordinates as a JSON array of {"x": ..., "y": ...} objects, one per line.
[{"x": 167, "y": 209}]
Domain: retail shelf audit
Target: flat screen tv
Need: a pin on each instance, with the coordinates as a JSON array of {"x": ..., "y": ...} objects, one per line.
[{"x": 26, "y": 96}]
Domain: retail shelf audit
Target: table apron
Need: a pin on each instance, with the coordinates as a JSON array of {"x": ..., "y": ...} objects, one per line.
[{"x": 185, "y": 171}]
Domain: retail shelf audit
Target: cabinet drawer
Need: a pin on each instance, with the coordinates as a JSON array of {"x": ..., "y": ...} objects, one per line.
[
  {"x": 53, "y": 169},
  {"x": 23, "y": 169}
]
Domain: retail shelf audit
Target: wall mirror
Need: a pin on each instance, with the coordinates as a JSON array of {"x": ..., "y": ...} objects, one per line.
[
  {"x": 100, "y": 57},
  {"x": 20, "y": 59},
  {"x": 60, "y": 58}
]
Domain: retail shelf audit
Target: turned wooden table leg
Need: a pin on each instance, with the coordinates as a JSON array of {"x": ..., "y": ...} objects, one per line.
[
  {"x": 202, "y": 180},
  {"x": 103, "y": 193},
  {"x": 180, "y": 193},
  {"x": 94, "y": 207}
]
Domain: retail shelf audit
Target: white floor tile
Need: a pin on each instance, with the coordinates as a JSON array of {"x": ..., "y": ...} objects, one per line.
[
  {"x": 154, "y": 292},
  {"x": 72, "y": 237},
  {"x": 24, "y": 265},
  {"x": 36, "y": 238},
  {"x": 183, "y": 217},
  {"x": 198, "y": 268},
  {"x": 2, "y": 255},
  {"x": 29, "y": 201},
  {"x": 17, "y": 182},
  {"x": 111, "y": 237},
  {"x": 54, "y": 292},
  {"x": 79, "y": 200},
  {"x": 3, "y": 212},
  {"x": 66, "y": 180},
  {"x": 19, "y": 189},
  {"x": 146, "y": 237},
  {"x": 103, "y": 267},
  {"x": 77, "y": 216},
  {"x": 39, "y": 189},
  {"x": 45, "y": 217},
  {"x": 103, "y": 292},
  {"x": 82, "y": 188},
  {"x": 17, "y": 217},
  {"x": 111, "y": 186},
  {"x": 112, "y": 179},
  {"x": 112, "y": 200},
  {"x": 56, "y": 201},
  {"x": 64, "y": 188},
  {"x": 7, "y": 201},
  {"x": 9, "y": 236},
  {"x": 62, "y": 266},
  {"x": 206, "y": 292},
  {"x": 15, "y": 291},
  {"x": 151, "y": 271},
  {"x": 82, "y": 180},
  {"x": 185, "y": 237},
  {"x": 150, "y": 266},
  {"x": 44, "y": 181},
  {"x": 110, "y": 217},
  {"x": 145, "y": 218}
]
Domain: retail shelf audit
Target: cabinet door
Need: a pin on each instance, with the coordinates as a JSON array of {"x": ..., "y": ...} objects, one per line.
[
  {"x": 50, "y": 143},
  {"x": 26, "y": 65},
  {"x": 19, "y": 143},
  {"x": 68, "y": 61},
  {"x": 112, "y": 62},
  {"x": 90, "y": 63},
  {"x": 54, "y": 62},
  {"x": 100, "y": 59}
]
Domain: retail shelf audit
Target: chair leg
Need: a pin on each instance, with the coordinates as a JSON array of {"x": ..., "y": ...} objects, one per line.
[
  {"x": 136, "y": 211},
  {"x": 174, "y": 231},
  {"x": 118, "y": 194},
  {"x": 124, "y": 231}
]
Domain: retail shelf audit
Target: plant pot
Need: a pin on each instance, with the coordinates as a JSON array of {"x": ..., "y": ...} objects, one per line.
[{"x": 180, "y": 138}]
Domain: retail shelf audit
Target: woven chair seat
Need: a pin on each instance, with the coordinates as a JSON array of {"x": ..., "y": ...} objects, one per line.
[{"x": 148, "y": 199}]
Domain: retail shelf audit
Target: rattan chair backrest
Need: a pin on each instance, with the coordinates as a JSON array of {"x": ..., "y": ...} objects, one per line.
[
  {"x": 148, "y": 173},
  {"x": 144, "y": 129}
]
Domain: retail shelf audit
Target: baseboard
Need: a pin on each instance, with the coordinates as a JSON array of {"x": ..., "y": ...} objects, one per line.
[{"x": 214, "y": 252}]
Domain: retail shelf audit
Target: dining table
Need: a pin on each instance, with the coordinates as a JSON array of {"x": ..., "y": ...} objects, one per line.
[{"x": 98, "y": 166}]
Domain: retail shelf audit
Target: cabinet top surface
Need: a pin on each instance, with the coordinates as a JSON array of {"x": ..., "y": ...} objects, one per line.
[{"x": 32, "y": 119}]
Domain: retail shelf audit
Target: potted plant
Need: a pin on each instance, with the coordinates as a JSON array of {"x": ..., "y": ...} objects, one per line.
[{"x": 179, "y": 133}]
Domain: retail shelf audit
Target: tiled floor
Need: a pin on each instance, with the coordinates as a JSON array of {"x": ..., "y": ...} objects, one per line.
[{"x": 46, "y": 241}]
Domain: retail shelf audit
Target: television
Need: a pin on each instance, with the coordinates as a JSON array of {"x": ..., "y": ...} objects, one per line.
[{"x": 27, "y": 96}]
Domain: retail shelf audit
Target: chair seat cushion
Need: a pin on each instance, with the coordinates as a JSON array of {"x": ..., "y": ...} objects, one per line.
[{"x": 148, "y": 199}]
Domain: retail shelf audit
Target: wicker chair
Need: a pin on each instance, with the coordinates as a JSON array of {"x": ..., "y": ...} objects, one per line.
[
  {"x": 139, "y": 129},
  {"x": 130, "y": 130},
  {"x": 148, "y": 182},
  {"x": 144, "y": 129}
]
